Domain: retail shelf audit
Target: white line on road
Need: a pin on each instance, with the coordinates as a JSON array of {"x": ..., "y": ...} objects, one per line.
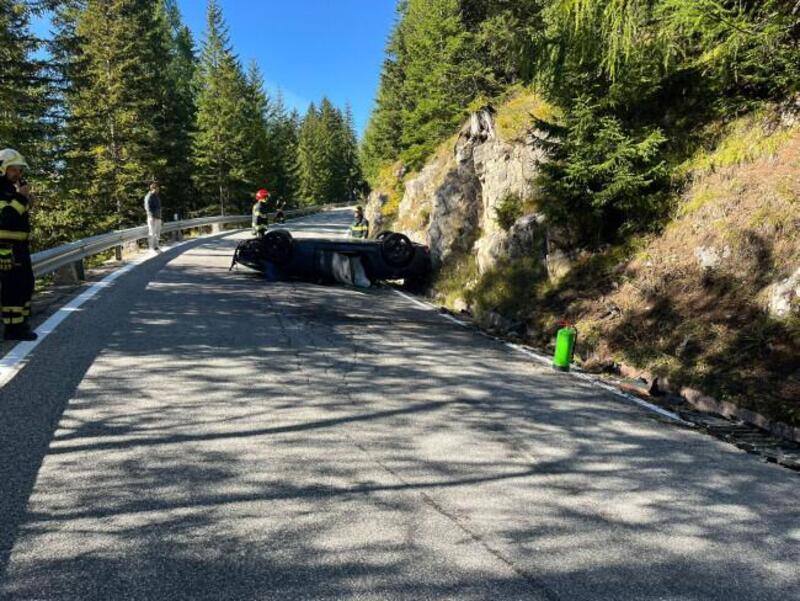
[
  {"x": 547, "y": 361},
  {"x": 430, "y": 307},
  {"x": 17, "y": 358}
]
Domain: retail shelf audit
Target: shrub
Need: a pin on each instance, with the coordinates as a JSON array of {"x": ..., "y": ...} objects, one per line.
[
  {"x": 602, "y": 181},
  {"x": 508, "y": 211}
]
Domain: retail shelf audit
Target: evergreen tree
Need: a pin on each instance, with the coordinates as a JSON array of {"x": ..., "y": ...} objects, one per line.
[
  {"x": 283, "y": 132},
  {"x": 329, "y": 168},
  {"x": 222, "y": 156},
  {"x": 177, "y": 115},
  {"x": 312, "y": 169},
  {"x": 382, "y": 139},
  {"x": 258, "y": 114},
  {"x": 114, "y": 108},
  {"x": 24, "y": 92},
  {"x": 430, "y": 76},
  {"x": 61, "y": 213},
  {"x": 331, "y": 140},
  {"x": 354, "y": 185},
  {"x": 439, "y": 75}
]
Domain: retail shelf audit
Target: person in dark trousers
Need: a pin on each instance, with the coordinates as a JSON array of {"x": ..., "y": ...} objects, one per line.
[
  {"x": 360, "y": 227},
  {"x": 152, "y": 206},
  {"x": 261, "y": 214},
  {"x": 16, "y": 271}
]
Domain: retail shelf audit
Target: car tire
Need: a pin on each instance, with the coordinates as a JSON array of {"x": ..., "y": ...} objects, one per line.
[
  {"x": 383, "y": 235},
  {"x": 278, "y": 247},
  {"x": 397, "y": 250}
]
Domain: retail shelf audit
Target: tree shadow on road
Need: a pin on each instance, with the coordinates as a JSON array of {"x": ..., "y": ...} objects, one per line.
[{"x": 241, "y": 440}]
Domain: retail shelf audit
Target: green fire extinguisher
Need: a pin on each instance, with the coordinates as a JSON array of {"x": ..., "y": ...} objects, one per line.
[{"x": 565, "y": 346}]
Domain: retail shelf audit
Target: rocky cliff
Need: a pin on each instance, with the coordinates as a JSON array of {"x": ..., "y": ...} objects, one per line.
[{"x": 452, "y": 205}]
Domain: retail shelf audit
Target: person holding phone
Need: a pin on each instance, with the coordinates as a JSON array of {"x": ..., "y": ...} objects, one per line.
[{"x": 16, "y": 271}]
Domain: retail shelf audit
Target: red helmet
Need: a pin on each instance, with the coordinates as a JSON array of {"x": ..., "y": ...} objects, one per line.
[{"x": 262, "y": 194}]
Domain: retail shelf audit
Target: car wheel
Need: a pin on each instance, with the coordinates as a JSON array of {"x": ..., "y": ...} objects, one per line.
[
  {"x": 278, "y": 247},
  {"x": 397, "y": 250},
  {"x": 383, "y": 235}
]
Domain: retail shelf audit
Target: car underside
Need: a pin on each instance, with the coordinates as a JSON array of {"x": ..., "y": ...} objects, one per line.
[{"x": 392, "y": 256}]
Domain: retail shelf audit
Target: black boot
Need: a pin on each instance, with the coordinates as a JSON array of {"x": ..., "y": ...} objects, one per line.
[{"x": 21, "y": 332}]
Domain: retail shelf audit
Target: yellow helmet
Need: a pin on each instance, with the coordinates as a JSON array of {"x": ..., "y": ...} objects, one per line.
[{"x": 11, "y": 158}]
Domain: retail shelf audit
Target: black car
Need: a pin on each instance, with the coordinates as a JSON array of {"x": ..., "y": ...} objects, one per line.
[{"x": 391, "y": 256}]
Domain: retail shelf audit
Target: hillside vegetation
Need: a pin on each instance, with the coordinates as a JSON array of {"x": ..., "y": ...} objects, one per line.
[
  {"x": 661, "y": 212},
  {"x": 702, "y": 301}
]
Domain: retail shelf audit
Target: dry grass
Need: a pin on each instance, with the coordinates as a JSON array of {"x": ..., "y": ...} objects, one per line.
[
  {"x": 456, "y": 279},
  {"x": 514, "y": 117},
  {"x": 707, "y": 327}
]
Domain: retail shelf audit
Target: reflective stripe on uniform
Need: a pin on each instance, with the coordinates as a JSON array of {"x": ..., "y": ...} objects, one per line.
[
  {"x": 16, "y": 236},
  {"x": 14, "y": 321},
  {"x": 14, "y": 204},
  {"x": 6, "y": 252}
]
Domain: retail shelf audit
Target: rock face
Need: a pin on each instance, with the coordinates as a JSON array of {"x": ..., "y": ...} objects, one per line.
[
  {"x": 452, "y": 204},
  {"x": 373, "y": 210},
  {"x": 783, "y": 298}
]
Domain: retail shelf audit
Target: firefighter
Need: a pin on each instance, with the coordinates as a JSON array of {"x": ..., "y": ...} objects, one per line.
[
  {"x": 261, "y": 214},
  {"x": 16, "y": 271},
  {"x": 360, "y": 227}
]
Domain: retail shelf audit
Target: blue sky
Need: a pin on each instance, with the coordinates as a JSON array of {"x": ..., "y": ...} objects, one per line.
[
  {"x": 309, "y": 48},
  {"x": 306, "y": 48}
]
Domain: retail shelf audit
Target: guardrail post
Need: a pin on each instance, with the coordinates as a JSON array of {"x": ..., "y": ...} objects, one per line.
[
  {"x": 177, "y": 235},
  {"x": 216, "y": 228},
  {"x": 71, "y": 274},
  {"x": 130, "y": 249}
]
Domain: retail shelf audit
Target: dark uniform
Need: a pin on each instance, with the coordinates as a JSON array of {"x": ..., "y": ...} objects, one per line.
[
  {"x": 260, "y": 217},
  {"x": 16, "y": 271},
  {"x": 360, "y": 229}
]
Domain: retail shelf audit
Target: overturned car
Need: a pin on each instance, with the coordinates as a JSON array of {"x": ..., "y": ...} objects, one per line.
[{"x": 392, "y": 256}]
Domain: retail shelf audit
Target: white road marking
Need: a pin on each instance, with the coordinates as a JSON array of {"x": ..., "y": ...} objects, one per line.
[
  {"x": 17, "y": 358},
  {"x": 429, "y": 307},
  {"x": 529, "y": 352}
]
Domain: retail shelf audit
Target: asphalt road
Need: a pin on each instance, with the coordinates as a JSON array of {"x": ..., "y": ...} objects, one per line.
[{"x": 197, "y": 434}]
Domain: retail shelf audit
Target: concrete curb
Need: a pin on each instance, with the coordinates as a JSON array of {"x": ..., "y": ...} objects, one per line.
[{"x": 708, "y": 404}]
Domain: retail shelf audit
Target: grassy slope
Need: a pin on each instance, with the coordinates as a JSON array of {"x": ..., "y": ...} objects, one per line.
[{"x": 650, "y": 303}]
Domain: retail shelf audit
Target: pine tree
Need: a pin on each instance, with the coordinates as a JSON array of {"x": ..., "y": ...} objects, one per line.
[
  {"x": 114, "y": 108},
  {"x": 334, "y": 171},
  {"x": 221, "y": 144},
  {"x": 24, "y": 93},
  {"x": 283, "y": 132},
  {"x": 258, "y": 113},
  {"x": 312, "y": 169},
  {"x": 354, "y": 184},
  {"x": 382, "y": 139},
  {"x": 177, "y": 115},
  {"x": 439, "y": 80},
  {"x": 430, "y": 76}
]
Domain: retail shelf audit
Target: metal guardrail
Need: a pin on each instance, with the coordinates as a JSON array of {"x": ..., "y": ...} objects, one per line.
[{"x": 48, "y": 261}]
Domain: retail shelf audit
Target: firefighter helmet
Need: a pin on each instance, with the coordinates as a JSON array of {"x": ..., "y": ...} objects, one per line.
[
  {"x": 11, "y": 158},
  {"x": 262, "y": 194}
]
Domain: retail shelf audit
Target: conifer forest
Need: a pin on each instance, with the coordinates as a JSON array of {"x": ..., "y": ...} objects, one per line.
[{"x": 121, "y": 94}]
